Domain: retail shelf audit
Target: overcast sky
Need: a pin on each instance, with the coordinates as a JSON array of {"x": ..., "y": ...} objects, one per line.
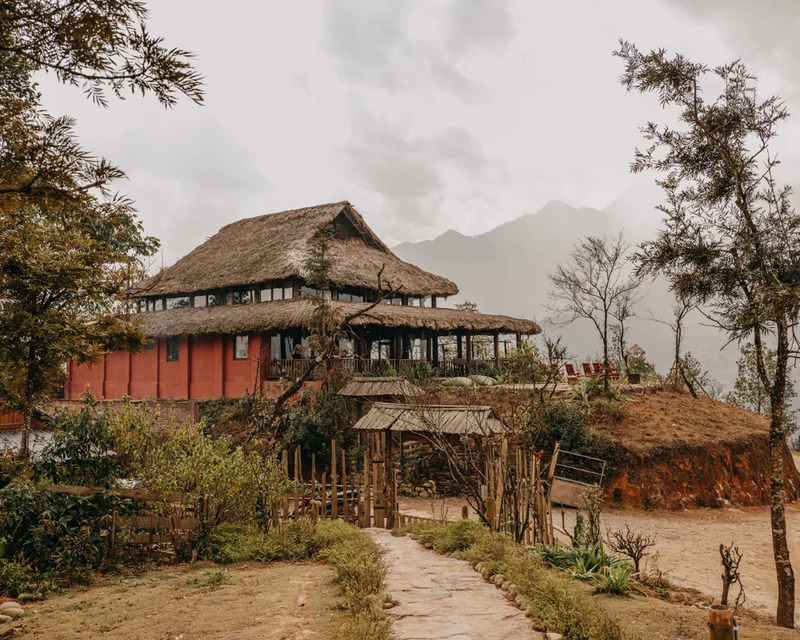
[{"x": 426, "y": 115}]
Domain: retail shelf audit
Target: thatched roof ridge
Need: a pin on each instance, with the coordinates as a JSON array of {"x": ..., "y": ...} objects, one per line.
[
  {"x": 284, "y": 314},
  {"x": 373, "y": 387},
  {"x": 275, "y": 246},
  {"x": 433, "y": 419}
]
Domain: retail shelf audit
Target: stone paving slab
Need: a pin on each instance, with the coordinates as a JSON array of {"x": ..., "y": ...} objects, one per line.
[{"x": 441, "y": 598}]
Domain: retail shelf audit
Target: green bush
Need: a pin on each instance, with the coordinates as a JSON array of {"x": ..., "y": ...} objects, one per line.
[
  {"x": 19, "y": 581},
  {"x": 59, "y": 537},
  {"x": 449, "y": 538},
  {"x": 230, "y": 543}
]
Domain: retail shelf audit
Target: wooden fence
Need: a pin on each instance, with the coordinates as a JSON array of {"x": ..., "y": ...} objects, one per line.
[
  {"x": 149, "y": 529},
  {"x": 357, "y": 489}
]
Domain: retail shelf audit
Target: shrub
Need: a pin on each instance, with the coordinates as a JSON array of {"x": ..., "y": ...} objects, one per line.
[
  {"x": 449, "y": 538},
  {"x": 617, "y": 579},
  {"x": 19, "y": 581},
  {"x": 230, "y": 543},
  {"x": 54, "y": 533},
  {"x": 294, "y": 540},
  {"x": 360, "y": 570}
]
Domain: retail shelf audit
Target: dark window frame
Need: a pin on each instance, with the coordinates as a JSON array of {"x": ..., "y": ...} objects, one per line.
[
  {"x": 173, "y": 349},
  {"x": 236, "y": 338}
]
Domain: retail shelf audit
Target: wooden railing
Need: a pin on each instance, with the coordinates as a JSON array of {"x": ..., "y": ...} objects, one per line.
[{"x": 294, "y": 368}]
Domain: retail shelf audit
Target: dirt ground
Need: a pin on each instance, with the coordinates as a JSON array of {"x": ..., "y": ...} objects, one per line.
[
  {"x": 687, "y": 543},
  {"x": 264, "y": 602}
]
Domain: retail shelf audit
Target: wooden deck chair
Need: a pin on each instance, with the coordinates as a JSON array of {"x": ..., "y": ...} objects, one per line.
[
  {"x": 572, "y": 374},
  {"x": 587, "y": 369},
  {"x": 598, "y": 368}
]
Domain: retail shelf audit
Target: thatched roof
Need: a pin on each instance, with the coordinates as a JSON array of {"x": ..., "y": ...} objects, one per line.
[
  {"x": 285, "y": 314},
  {"x": 434, "y": 419},
  {"x": 380, "y": 388},
  {"x": 275, "y": 247}
]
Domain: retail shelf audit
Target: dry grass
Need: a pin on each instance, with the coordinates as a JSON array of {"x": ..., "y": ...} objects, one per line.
[
  {"x": 662, "y": 419},
  {"x": 270, "y": 602}
]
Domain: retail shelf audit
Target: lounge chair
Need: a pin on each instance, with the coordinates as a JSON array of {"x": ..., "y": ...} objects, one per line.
[
  {"x": 587, "y": 369},
  {"x": 572, "y": 374}
]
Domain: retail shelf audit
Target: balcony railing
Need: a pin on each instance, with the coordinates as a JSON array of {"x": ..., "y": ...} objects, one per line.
[{"x": 294, "y": 368}]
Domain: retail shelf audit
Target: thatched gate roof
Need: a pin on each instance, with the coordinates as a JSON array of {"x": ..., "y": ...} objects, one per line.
[{"x": 432, "y": 419}]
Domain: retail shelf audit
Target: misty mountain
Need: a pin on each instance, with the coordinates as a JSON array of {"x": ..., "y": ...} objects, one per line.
[{"x": 505, "y": 271}]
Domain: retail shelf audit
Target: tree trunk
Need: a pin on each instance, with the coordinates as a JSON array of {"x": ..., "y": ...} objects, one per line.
[
  {"x": 27, "y": 422},
  {"x": 777, "y": 443}
]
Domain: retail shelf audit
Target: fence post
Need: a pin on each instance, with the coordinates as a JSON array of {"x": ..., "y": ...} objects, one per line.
[
  {"x": 345, "y": 496},
  {"x": 366, "y": 519},
  {"x": 324, "y": 498},
  {"x": 334, "y": 492}
]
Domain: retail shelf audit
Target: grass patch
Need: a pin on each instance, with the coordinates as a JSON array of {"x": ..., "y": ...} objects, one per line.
[
  {"x": 555, "y": 603},
  {"x": 354, "y": 556}
]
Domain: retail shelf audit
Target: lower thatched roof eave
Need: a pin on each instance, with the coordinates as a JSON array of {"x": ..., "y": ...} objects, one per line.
[{"x": 286, "y": 314}]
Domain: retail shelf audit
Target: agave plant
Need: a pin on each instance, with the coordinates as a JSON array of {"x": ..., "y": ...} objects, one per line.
[{"x": 618, "y": 578}]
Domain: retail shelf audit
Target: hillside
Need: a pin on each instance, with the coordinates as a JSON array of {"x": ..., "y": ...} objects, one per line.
[{"x": 671, "y": 450}]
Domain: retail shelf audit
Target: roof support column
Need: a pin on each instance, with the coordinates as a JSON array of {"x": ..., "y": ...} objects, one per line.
[
  {"x": 460, "y": 347},
  {"x": 469, "y": 352},
  {"x": 496, "y": 349}
]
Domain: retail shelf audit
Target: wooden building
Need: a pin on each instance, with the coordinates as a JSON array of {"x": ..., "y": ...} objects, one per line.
[{"x": 232, "y": 315}]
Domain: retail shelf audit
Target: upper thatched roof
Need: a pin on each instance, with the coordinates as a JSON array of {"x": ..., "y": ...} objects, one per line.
[
  {"x": 433, "y": 419},
  {"x": 275, "y": 246},
  {"x": 380, "y": 388},
  {"x": 300, "y": 313}
]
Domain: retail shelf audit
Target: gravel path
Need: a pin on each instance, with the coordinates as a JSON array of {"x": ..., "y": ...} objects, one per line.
[{"x": 443, "y": 598}]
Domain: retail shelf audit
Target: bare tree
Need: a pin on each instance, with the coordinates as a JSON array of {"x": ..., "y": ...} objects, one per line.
[
  {"x": 633, "y": 544},
  {"x": 731, "y": 559},
  {"x": 678, "y": 376},
  {"x": 591, "y": 284}
]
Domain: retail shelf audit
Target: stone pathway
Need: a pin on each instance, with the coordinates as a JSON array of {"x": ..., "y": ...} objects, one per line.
[{"x": 441, "y": 598}]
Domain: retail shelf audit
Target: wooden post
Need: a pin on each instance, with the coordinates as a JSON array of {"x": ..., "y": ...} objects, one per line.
[
  {"x": 465, "y": 512},
  {"x": 490, "y": 512},
  {"x": 720, "y": 623},
  {"x": 313, "y": 472},
  {"x": 285, "y": 456},
  {"x": 324, "y": 497},
  {"x": 298, "y": 480},
  {"x": 334, "y": 479},
  {"x": 378, "y": 478},
  {"x": 387, "y": 444},
  {"x": 496, "y": 348},
  {"x": 366, "y": 519},
  {"x": 345, "y": 496},
  {"x": 113, "y": 536}
]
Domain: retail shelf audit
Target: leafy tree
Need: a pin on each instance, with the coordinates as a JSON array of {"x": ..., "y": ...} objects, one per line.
[
  {"x": 69, "y": 248},
  {"x": 731, "y": 238},
  {"x": 592, "y": 285},
  {"x": 748, "y": 392},
  {"x": 637, "y": 362}
]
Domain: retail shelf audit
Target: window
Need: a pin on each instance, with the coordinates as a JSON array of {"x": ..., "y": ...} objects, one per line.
[
  {"x": 242, "y": 296},
  {"x": 173, "y": 348},
  {"x": 158, "y": 304},
  {"x": 396, "y": 301},
  {"x": 275, "y": 347},
  {"x": 346, "y": 346},
  {"x": 215, "y": 299},
  {"x": 150, "y": 345},
  {"x": 200, "y": 300},
  {"x": 178, "y": 302},
  {"x": 413, "y": 301},
  {"x": 141, "y": 305},
  {"x": 241, "y": 347},
  {"x": 308, "y": 292},
  {"x": 419, "y": 349},
  {"x": 277, "y": 292},
  {"x": 288, "y": 290},
  {"x": 425, "y": 301},
  {"x": 266, "y": 294}
]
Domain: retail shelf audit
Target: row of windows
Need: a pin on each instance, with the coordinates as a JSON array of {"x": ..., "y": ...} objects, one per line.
[
  {"x": 276, "y": 291},
  {"x": 241, "y": 348}
]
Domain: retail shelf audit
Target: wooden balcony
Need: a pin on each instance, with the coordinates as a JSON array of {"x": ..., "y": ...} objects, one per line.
[{"x": 294, "y": 368}]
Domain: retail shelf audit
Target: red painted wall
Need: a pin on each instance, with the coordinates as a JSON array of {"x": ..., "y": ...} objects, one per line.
[
  {"x": 144, "y": 374},
  {"x": 205, "y": 369}
]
